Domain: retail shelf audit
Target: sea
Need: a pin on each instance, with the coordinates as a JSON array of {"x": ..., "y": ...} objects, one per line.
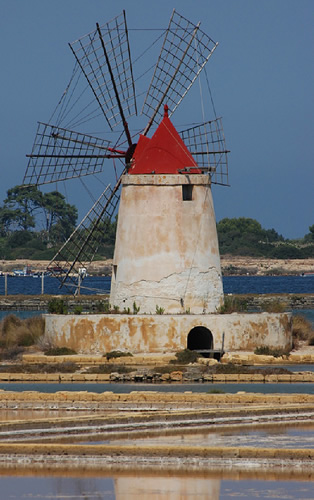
[{"x": 29, "y": 285}]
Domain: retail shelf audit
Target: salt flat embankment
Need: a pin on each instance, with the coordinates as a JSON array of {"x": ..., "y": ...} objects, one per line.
[{"x": 229, "y": 264}]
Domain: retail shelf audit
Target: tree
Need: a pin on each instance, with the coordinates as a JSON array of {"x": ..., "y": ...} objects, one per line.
[
  {"x": 310, "y": 236},
  {"x": 239, "y": 234},
  {"x": 245, "y": 236},
  {"x": 8, "y": 218},
  {"x": 59, "y": 217},
  {"x": 23, "y": 206},
  {"x": 23, "y": 201}
]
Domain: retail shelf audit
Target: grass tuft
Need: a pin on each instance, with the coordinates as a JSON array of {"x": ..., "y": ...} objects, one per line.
[
  {"x": 16, "y": 332},
  {"x": 117, "y": 354},
  {"x": 232, "y": 304},
  {"x": 59, "y": 351},
  {"x": 186, "y": 356},
  {"x": 302, "y": 329}
]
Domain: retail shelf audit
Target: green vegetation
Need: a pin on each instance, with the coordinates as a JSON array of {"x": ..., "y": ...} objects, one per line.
[
  {"x": 273, "y": 306},
  {"x": 102, "y": 306},
  {"x": 136, "y": 309},
  {"x": 26, "y": 208},
  {"x": 57, "y": 306},
  {"x": 268, "y": 351},
  {"x": 245, "y": 236},
  {"x": 160, "y": 310},
  {"x": 109, "y": 368},
  {"x": 59, "y": 351},
  {"x": 186, "y": 356},
  {"x": 233, "y": 304},
  {"x": 117, "y": 354}
]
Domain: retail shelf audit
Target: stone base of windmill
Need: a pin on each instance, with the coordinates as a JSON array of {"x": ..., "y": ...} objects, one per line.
[{"x": 101, "y": 333}]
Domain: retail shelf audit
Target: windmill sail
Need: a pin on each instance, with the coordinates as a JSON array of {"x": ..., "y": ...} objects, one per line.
[
  {"x": 185, "y": 51},
  {"x": 106, "y": 59},
  {"x": 79, "y": 250},
  {"x": 206, "y": 143},
  {"x": 59, "y": 154}
]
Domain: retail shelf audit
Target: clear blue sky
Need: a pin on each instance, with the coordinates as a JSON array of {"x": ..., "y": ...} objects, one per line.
[{"x": 261, "y": 78}]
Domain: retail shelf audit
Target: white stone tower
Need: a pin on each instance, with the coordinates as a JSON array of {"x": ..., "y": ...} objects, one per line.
[{"x": 166, "y": 253}]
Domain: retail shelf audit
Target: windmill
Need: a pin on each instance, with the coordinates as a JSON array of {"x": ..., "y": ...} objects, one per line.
[{"x": 103, "y": 57}]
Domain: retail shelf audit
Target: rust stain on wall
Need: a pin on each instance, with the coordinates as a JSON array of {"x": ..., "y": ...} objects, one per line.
[{"x": 166, "y": 333}]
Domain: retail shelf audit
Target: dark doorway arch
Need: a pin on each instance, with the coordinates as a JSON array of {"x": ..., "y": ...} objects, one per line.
[{"x": 199, "y": 339}]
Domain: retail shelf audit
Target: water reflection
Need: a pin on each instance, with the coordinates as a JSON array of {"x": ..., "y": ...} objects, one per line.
[
  {"x": 174, "y": 488},
  {"x": 138, "y": 486}
]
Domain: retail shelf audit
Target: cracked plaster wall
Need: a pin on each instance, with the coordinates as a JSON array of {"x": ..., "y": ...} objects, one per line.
[
  {"x": 100, "y": 333},
  {"x": 166, "y": 251}
]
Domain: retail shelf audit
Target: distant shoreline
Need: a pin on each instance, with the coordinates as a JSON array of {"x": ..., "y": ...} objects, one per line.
[
  {"x": 261, "y": 266},
  {"x": 230, "y": 265}
]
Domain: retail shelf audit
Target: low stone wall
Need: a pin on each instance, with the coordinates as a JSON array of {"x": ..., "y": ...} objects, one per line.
[
  {"x": 175, "y": 376},
  {"x": 90, "y": 302},
  {"x": 100, "y": 333},
  {"x": 247, "y": 358},
  {"x": 287, "y": 300},
  {"x": 152, "y": 398},
  {"x": 40, "y": 302}
]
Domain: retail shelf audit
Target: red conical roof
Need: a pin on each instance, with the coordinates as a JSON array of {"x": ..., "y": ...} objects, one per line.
[{"x": 164, "y": 153}]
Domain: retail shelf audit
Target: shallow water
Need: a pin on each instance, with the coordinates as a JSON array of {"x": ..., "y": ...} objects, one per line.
[
  {"x": 285, "y": 436},
  {"x": 267, "y": 388},
  {"x": 151, "y": 487}
]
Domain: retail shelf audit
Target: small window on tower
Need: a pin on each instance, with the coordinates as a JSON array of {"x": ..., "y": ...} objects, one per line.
[
  {"x": 187, "y": 190},
  {"x": 115, "y": 271}
]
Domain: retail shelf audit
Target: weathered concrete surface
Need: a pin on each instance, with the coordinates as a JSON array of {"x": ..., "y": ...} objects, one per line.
[
  {"x": 100, "y": 333},
  {"x": 166, "y": 251}
]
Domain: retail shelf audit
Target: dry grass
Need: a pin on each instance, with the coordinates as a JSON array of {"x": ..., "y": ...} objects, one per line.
[
  {"x": 16, "y": 332},
  {"x": 302, "y": 330},
  {"x": 274, "y": 306},
  {"x": 233, "y": 304}
]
